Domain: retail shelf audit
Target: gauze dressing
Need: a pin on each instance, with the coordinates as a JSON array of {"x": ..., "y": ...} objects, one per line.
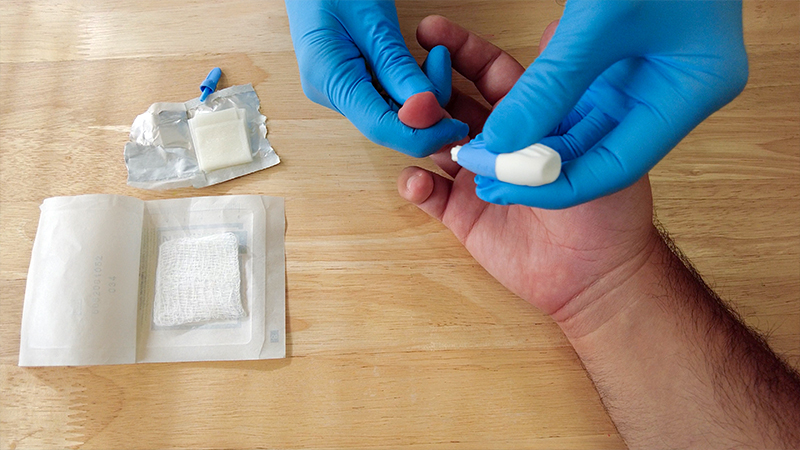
[
  {"x": 198, "y": 280},
  {"x": 118, "y": 280}
]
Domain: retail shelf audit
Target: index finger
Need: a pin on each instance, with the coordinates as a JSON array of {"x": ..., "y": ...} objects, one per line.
[{"x": 492, "y": 70}]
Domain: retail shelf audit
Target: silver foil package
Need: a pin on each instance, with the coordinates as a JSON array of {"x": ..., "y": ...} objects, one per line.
[{"x": 161, "y": 152}]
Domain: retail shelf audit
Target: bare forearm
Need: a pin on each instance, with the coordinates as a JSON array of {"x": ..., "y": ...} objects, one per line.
[{"x": 675, "y": 368}]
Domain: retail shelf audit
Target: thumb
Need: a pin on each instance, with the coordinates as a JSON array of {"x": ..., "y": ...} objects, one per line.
[
  {"x": 437, "y": 67},
  {"x": 547, "y": 91},
  {"x": 547, "y": 34}
]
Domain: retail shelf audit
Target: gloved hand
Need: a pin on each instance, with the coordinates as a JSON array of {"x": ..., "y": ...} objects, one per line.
[
  {"x": 618, "y": 86},
  {"x": 341, "y": 45}
]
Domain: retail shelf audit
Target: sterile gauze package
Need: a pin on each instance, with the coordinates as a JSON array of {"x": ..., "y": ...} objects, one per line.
[
  {"x": 118, "y": 280},
  {"x": 175, "y": 145}
]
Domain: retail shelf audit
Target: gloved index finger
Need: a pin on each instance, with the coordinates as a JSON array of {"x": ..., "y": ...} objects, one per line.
[
  {"x": 370, "y": 113},
  {"x": 552, "y": 84},
  {"x": 374, "y": 28},
  {"x": 619, "y": 160}
]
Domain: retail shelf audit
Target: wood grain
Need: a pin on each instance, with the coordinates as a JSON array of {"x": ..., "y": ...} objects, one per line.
[{"x": 396, "y": 336}]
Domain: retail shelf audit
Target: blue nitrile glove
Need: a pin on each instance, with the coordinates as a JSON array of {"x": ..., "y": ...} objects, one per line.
[
  {"x": 617, "y": 87},
  {"x": 341, "y": 44}
]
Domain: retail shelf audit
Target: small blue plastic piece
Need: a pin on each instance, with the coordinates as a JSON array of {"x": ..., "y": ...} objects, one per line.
[
  {"x": 209, "y": 85},
  {"x": 474, "y": 157}
]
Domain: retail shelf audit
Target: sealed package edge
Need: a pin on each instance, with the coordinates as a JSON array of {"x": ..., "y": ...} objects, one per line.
[
  {"x": 118, "y": 280},
  {"x": 175, "y": 145}
]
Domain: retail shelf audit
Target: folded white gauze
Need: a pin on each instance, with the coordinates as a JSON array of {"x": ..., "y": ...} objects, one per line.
[{"x": 198, "y": 280}]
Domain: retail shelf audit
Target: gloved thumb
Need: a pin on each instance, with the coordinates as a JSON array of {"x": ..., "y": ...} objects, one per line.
[
  {"x": 425, "y": 109},
  {"x": 437, "y": 66},
  {"x": 548, "y": 90}
]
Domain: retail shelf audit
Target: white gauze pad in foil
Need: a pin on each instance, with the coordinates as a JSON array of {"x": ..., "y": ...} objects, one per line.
[
  {"x": 198, "y": 280},
  {"x": 220, "y": 139}
]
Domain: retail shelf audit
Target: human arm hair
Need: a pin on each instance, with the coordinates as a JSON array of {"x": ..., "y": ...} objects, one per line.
[{"x": 675, "y": 367}]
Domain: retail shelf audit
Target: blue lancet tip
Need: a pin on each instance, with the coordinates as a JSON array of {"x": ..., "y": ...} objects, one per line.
[{"x": 209, "y": 85}]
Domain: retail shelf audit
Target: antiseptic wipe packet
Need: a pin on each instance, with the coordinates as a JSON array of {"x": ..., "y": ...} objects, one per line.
[{"x": 174, "y": 145}]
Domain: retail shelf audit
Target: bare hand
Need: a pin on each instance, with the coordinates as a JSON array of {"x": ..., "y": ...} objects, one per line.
[{"x": 549, "y": 258}]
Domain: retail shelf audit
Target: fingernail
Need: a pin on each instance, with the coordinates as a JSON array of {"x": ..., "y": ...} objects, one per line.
[{"x": 410, "y": 181}]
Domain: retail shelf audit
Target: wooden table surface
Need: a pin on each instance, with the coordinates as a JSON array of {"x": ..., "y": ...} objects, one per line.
[{"x": 396, "y": 337}]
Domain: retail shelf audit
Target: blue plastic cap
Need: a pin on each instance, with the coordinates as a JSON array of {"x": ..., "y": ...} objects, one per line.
[{"x": 209, "y": 85}]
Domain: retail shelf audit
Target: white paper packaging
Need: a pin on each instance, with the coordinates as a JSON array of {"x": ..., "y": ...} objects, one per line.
[{"x": 90, "y": 288}]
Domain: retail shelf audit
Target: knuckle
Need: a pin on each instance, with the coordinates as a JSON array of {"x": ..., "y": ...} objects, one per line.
[
  {"x": 738, "y": 73},
  {"x": 310, "y": 91},
  {"x": 733, "y": 72}
]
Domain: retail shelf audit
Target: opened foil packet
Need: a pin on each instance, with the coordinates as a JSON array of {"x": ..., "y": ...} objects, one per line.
[{"x": 175, "y": 145}]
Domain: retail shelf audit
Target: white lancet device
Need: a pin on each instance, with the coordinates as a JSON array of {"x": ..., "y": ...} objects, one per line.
[{"x": 532, "y": 166}]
